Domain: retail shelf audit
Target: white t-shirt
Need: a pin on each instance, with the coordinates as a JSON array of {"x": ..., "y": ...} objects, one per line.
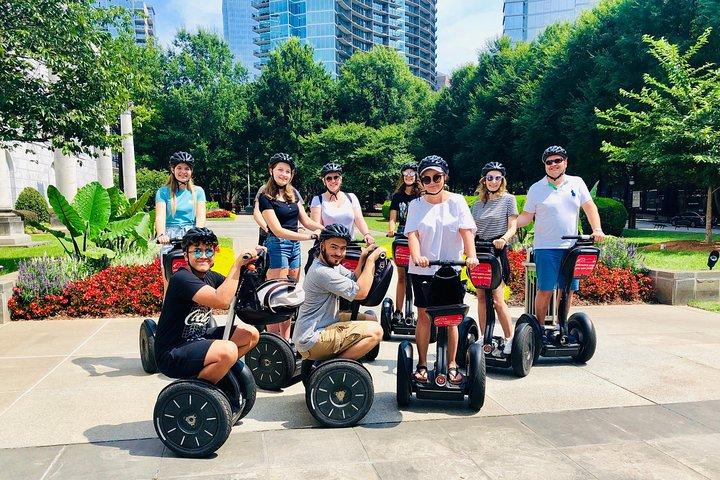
[
  {"x": 557, "y": 210},
  {"x": 438, "y": 227},
  {"x": 331, "y": 213}
]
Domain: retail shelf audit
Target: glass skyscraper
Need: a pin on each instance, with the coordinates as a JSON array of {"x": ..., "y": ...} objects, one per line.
[
  {"x": 523, "y": 20},
  {"x": 143, "y": 18},
  {"x": 337, "y": 28},
  {"x": 238, "y": 31}
]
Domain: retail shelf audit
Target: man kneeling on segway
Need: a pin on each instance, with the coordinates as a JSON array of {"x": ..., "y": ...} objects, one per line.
[
  {"x": 185, "y": 346},
  {"x": 321, "y": 331}
]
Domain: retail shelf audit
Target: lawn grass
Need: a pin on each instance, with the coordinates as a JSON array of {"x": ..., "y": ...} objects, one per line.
[
  {"x": 668, "y": 259},
  {"x": 648, "y": 237},
  {"x": 10, "y": 256},
  {"x": 706, "y": 305}
]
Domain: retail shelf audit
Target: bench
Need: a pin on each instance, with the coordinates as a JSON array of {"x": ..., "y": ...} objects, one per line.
[{"x": 659, "y": 226}]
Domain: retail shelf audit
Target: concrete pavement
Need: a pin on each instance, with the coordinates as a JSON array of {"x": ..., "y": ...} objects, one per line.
[{"x": 75, "y": 403}]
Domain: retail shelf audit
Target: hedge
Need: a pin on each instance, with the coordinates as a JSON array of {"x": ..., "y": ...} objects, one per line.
[{"x": 32, "y": 200}]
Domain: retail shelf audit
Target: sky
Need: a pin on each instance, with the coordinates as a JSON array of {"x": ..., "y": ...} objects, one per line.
[{"x": 464, "y": 26}]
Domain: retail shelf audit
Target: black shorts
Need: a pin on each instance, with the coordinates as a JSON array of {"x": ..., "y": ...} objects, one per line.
[
  {"x": 421, "y": 300},
  {"x": 187, "y": 359}
]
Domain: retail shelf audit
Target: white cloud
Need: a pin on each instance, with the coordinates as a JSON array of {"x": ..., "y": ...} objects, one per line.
[{"x": 171, "y": 15}]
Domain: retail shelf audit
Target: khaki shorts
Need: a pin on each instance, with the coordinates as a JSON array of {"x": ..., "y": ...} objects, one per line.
[{"x": 339, "y": 336}]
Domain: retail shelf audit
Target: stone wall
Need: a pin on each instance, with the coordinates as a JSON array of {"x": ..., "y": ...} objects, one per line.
[{"x": 678, "y": 288}]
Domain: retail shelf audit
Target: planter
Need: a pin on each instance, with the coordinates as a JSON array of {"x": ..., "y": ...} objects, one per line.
[{"x": 674, "y": 287}]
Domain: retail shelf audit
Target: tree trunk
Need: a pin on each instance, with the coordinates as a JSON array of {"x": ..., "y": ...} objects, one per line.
[{"x": 708, "y": 215}]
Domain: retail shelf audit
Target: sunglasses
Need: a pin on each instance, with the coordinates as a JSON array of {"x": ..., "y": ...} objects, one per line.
[
  {"x": 555, "y": 161},
  {"x": 497, "y": 178},
  {"x": 209, "y": 253},
  {"x": 409, "y": 175},
  {"x": 332, "y": 178},
  {"x": 434, "y": 179}
]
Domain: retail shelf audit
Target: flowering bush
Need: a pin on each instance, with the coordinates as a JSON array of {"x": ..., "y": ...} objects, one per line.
[
  {"x": 619, "y": 253},
  {"x": 41, "y": 276},
  {"x": 135, "y": 290},
  {"x": 218, "y": 214}
]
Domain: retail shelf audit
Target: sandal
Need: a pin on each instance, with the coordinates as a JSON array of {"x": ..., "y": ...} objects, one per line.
[
  {"x": 421, "y": 373},
  {"x": 454, "y": 375}
]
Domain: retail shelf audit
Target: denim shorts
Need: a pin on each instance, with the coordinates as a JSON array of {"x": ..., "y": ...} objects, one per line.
[
  {"x": 547, "y": 264},
  {"x": 283, "y": 253}
]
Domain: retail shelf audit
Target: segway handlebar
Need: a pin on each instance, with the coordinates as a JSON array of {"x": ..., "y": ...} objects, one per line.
[
  {"x": 585, "y": 238},
  {"x": 446, "y": 263}
]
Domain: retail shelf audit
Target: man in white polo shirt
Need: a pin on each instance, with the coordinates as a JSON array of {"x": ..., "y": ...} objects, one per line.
[{"x": 554, "y": 203}]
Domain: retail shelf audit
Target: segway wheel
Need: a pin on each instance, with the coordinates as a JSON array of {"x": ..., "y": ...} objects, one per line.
[
  {"x": 339, "y": 393},
  {"x": 476, "y": 374},
  {"x": 147, "y": 346},
  {"x": 581, "y": 327},
  {"x": 467, "y": 335},
  {"x": 537, "y": 333},
  {"x": 523, "y": 346},
  {"x": 404, "y": 373},
  {"x": 372, "y": 354},
  {"x": 192, "y": 418},
  {"x": 247, "y": 386},
  {"x": 271, "y": 362},
  {"x": 306, "y": 369},
  {"x": 386, "y": 313}
]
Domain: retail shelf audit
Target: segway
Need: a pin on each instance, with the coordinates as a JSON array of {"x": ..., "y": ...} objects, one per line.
[
  {"x": 575, "y": 336},
  {"x": 487, "y": 276},
  {"x": 193, "y": 417},
  {"x": 172, "y": 262},
  {"x": 340, "y": 392},
  {"x": 446, "y": 293}
]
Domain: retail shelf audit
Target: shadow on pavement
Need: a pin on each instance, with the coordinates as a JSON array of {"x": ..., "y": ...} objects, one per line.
[{"x": 110, "y": 366}]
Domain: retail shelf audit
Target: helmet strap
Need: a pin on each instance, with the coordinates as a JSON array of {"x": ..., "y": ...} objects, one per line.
[
  {"x": 554, "y": 179},
  {"x": 332, "y": 194}
]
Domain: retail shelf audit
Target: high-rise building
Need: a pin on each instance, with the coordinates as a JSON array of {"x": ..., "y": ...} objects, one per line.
[
  {"x": 337, "y": 28},
  {"x": 143, "y": 18},
  {"x": 238, "y": 31},
  {"x": 523, "y": 20}
]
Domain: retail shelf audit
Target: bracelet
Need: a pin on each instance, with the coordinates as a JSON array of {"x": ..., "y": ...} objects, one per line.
[
  {"x": 366, "y": 234},
  {"x": 597, "y": 229}
]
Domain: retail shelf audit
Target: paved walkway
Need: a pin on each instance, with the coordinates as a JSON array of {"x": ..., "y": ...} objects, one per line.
[{"x": 75, "y": 403}]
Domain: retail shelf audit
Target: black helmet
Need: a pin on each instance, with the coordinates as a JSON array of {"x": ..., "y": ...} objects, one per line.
[
  {"x": 197, "y": 235},
  {"x": 490, "y": 166},
  {"x": 409, "y": 166},
  {"x": 335, "y": 230},
  {"x": 281, "y": 157},
  {"x": 181, "y": 157},
  {"x": 329, "y": 168},
  {"x": 554, "y": 150},
  {"x": 433, "y": 161}
]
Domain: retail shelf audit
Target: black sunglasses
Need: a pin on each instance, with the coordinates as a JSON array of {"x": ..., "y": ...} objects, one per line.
[
  {"x": 331, "y": 178},
  {"x": 434, "y": 179},
  {"x": 555, "y": 161}
]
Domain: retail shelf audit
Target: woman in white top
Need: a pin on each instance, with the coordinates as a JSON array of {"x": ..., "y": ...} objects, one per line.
[
  {"x": 439, "y": 226},
  {"x": 334, "y": 206}
]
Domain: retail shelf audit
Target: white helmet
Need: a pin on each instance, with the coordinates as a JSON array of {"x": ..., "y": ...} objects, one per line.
[{"x": 280, "y": 295}]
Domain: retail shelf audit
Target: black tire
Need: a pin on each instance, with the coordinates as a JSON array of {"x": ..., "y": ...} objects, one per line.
[
  {"x": 523, "y": 347},
  {"x": 476, "y": 374},
  {"x": 404, "y": 374},
  {"x": 372, "y": 354},
  {"x": 693, "y": 223},
  {"x": 192, "y": 418},
  {"x": 538, "y": 336},
  {"x": 247, "y": 386},
  {"x": 386, "y": 313},
  {"x": 339, "y": 393},
  {"x": 147, "y": 345},
  {"x": 271, "y": 361},
  {"x": 306, "y": 369},
  {"x": 581, "y": 327},
  {"x": 674, "y": 223},
  {"x": 467, "y": 335}
]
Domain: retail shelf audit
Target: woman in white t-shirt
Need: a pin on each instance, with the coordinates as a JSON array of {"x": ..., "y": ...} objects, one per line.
[
  {"x": 335, "y": 206},
  {"x": 439, "y": 226}
]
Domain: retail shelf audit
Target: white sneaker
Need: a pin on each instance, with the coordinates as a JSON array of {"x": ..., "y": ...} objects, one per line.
[{"x": 508, "y": 346}]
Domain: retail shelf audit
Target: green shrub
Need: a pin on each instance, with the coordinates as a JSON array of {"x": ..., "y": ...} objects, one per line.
[
  {"x": 210, "y": 206},
  {"x": 612, "y": 217},
  {"x": 386, "y": 210},
  {"x": 26, "y": 215},
  {"x": 31, "y": 199},
  {"x": 150, "y": 181}
]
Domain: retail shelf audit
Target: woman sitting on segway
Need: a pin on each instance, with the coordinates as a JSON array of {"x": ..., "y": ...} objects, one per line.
[
  {"x": 408, "y": 189},
  {"x": 439, "y": 226},
  {"x": 185, "y": 346},
  {"x": 495, "y": 213}
]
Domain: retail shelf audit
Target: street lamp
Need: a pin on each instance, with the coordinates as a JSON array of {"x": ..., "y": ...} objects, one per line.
[{"x": 631, "y": 212}]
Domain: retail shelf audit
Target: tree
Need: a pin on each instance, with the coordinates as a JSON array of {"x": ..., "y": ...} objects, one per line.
[
  {"x": 62, "y": 78},
  {"x": 370, "y": 157},
  {"x": 377, "y": 88},
  {"x": 672, "y": 123}
]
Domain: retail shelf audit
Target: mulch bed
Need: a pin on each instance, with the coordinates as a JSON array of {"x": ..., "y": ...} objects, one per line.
[{"x": 686, "y": 245}]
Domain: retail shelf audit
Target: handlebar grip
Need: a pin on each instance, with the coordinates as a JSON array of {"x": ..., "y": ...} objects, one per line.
[
  {"x": 246, "y": 256},
  {"x": 454, "y": 263}
]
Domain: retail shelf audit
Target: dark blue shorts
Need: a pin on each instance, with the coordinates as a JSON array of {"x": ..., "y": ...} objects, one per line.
[
  {"x": 547, "y": 265},
  {"x": 187, "y": 359},
  {"x": 283, "y": 253}
]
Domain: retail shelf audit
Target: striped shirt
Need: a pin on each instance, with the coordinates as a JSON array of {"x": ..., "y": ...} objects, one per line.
[{"x": 491, "y": 217}]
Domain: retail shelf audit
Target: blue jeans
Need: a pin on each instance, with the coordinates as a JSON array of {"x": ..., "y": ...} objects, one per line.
[
  {"x": 283, "y": 253},
  {"x": 547, "y": 265}
]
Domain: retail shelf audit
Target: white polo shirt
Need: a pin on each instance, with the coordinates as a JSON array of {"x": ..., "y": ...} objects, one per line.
[{"x": 557, "y": 210}]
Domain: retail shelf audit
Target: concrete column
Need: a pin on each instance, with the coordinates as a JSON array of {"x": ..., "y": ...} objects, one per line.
[
  {"x": 12, "y": 229},
  {"x": 104, "y": 167},
  {"x": 6, "y": 202},
  {"x": 128, "y": 156},
  {"x": 65, "y": 174}
]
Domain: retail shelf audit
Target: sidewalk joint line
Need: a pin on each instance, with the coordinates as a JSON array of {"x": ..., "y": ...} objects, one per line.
[{"x": 52, "y": 464}]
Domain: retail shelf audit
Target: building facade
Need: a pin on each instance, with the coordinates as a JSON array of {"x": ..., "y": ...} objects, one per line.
[
  {"x": 523, "y": 20},
  {"x": 143, "y": 18},
  {"x": 337, "y": 28},
  {"x": 238, "y": 32}
]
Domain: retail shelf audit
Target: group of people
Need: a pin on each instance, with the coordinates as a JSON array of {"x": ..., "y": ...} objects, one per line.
[{"x": 439, "y": 225}]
